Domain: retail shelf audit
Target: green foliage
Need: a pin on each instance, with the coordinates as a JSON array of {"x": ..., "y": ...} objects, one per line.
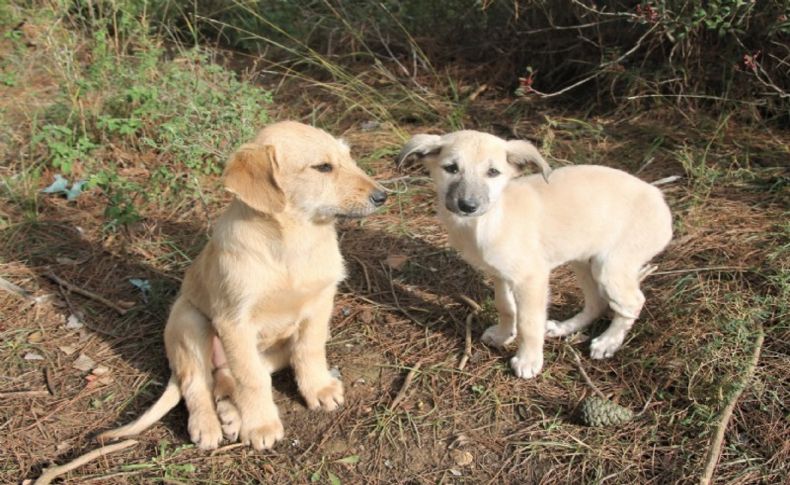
[{"x": 121, "y": 92}]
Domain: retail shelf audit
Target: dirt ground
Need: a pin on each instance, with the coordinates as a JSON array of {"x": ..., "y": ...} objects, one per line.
[{"x": 720, "y": 283}]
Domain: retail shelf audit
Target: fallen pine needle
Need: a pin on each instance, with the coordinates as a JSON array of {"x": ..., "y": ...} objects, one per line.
[
  {"x": 52, "y": 473},
  {"x": 28, "y": 394},
  {"x": 405, "y": 387},
  {"x": 718, "y": 438}
]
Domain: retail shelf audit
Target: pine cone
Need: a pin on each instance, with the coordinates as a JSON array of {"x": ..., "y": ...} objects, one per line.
[{"x": 604, "y": 413}]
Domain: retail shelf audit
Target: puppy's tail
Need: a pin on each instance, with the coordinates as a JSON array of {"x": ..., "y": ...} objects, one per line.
[{"x": 167, "y": 401}]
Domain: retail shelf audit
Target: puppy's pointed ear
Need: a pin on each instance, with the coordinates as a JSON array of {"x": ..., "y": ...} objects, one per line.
[
  {"x": 251, "y": 174},
  {"x": 420, "y": 146},
  {"x": 520, "y": 152}
]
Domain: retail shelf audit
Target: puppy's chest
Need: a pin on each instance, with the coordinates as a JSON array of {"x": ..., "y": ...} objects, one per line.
[{"x": 479, "y": 248}]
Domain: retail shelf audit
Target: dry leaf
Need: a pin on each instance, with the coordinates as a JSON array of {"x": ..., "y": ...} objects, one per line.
[
  {"x": 35, "y": 337},
  {"x": 67, "y": 349},
  {"x": 366, "y": 315},
  {"x": 84, "y": 363},
  {"x": 461, "y": 457},
  {"x": 33, "y": 356},
  {"x": 396, "y": 261},
  {"x": 100, "y": 370}
]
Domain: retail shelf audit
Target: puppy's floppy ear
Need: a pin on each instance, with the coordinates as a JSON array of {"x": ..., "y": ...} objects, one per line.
[
  {"x": 251, "y": 175},
  {"x": 419, "y": 146},
  {"x": 520, "y": 152}
]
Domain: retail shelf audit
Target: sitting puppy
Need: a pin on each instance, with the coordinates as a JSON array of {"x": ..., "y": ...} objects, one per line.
[
  {"x": 260, "y": 294},
  {"x": 605, "y": 223}
]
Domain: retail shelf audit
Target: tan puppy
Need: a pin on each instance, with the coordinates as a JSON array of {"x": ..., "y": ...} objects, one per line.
[
  {"x": 605, "y": 223},
  {"x": 264, "y": 285}
]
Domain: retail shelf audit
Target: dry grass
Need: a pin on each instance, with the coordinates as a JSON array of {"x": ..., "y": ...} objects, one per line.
[{"x": 725, "y": 271}]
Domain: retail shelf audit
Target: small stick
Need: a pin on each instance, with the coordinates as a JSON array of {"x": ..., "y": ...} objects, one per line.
[
  {"x": 718, "y": 438},
  {"x": 406, "y": 383},
  {"x": 584, "y": 374},
  {"x": 86, "y": 293},
  {"x": 48, "y": 380},
  {"x": 467, "y": 342},
  {"x": 472, "y": 304},
  {"x": 16, "y": 290},
  {"x": 364, "y": 272},
  {"x": 13, "y": 394},
  {"x": 52, "y": 473}
]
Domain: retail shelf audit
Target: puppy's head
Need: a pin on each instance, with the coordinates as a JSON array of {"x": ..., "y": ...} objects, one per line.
[
  {"x": 302, "y": 170},
  {"x": 470, "y": 168}
]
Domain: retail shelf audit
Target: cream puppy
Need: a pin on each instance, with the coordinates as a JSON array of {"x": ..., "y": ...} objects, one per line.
[
  {"x": 259, "y": 296},
  {"x": 606, "y": 223}
]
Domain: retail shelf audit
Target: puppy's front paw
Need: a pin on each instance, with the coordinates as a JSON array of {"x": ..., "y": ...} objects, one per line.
[
  {"x": 264, "y": 436},
  {"x": 327, "y": 397},
  {"x": 229, "y": 419},
  {"x": 498, "y": 336},
  {"x": 204, "y": 430},
  {"x": 556, "y": 329},
  {"x": 527, "y": 366},
  {"x": 605, "y": 346}
]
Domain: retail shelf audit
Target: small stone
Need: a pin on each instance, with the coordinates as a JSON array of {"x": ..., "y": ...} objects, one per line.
[
  {"x": 33, "y": 356},
  {"x": 73, "y": 323},
  {"x": 100, "y": 370}
]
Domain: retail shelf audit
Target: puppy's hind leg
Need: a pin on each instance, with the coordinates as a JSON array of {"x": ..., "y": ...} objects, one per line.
[
  {"x": 504, "y": 332},
  {"x": 620, "y": 283},
  {"x": 188, "y": 338},
  {"x": 594, "y": 304}
]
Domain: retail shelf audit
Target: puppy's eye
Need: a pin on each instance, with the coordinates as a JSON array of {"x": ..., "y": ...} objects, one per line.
[
  {"x": 492, "y": 172},
  {"x": 323, "y": 167},
  {"x": 450, "y": 168}
]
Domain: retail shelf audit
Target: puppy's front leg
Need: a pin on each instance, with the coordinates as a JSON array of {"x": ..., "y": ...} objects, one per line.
[
  {"x": 504, "y": 332},
  {"x": 531, "y": 294},
  {"x": 308, "y": 357},
  {"x": 260, "y": 422}
]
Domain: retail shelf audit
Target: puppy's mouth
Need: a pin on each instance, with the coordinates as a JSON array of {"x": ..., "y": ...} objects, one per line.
[{"x": 353, "y": 212}]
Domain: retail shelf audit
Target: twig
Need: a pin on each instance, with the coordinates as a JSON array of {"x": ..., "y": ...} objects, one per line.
[
  {"x": 584, "y": 374},
  {"x": 86, "y": 293},
  {"x": 395, "y": 298},
  {"x": 600, "y": 69},
  {"x": 52, "y": 473},
  {"x": 16, "y": 290},
  {"x": 716, "y": 442},
  {"x": 472, "y": 304},
  {"x": 467, "y": 342},
  {"x": 700, "y": 270},
  {"x": 405, "y": 387},
  {"x": 48, "y": 380},
  {"x": 364, "y": 272},
  {"x": 13, "y": 394}
]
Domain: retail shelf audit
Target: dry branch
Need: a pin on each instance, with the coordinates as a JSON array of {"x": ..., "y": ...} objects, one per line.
[
  {"x": 405, "y": 387},
  {"x": 86, "y": 293},
  {"x": 714, "y": 450},
  {"x": 52, "y": 473},
  {"x": 584, "y": 374}
]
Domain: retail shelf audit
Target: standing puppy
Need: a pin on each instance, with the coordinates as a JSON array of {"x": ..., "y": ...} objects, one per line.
[
  {"x": 605, "y": 223},
  {"x": 260, "y": 294}
]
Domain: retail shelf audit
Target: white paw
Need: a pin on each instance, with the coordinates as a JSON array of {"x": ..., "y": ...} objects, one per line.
[
  {"x": 527, "y": 367},
  {"x": 264, "y": 436},
  {"x": 556, "y": 329},
  {"x": 205, "y": 430},
  {"x": 498, "y": 336},
  {"x": 604, "y": 346},
  {"x": 229, "y": 419},
  {"x": 329, "y": 397}
]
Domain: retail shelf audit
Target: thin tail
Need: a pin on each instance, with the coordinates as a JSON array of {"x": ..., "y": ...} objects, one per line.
[{"x": 167, "y": 401}]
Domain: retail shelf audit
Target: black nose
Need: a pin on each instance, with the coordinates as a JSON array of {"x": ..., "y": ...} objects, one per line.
[
  {"x": 378, "y": 197},
  {"x": 468, "y": 206}
]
